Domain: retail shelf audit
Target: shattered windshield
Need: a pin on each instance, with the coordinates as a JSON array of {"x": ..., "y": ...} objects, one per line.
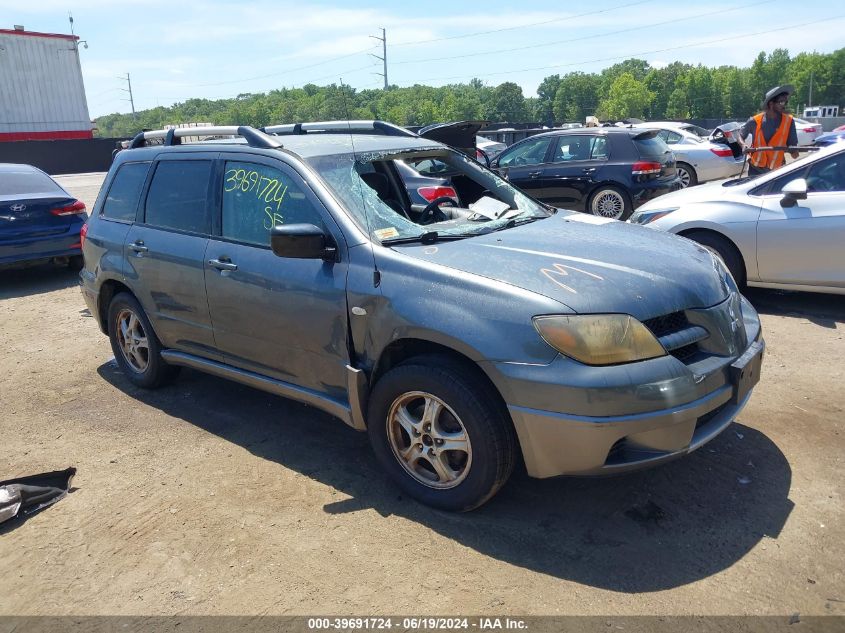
[{"x": 424, "y": 194}]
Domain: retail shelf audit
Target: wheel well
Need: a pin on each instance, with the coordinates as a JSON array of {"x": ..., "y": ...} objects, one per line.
[
  {"x": 689, "y": 232},
  {"x": 108, "y": 290},
  {"x": 405, "y": 349}
]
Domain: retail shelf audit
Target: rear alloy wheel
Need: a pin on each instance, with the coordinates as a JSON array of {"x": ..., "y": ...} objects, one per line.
[
  {"x": 687, "y": 175},
  {"x": 610, "y": 202},
  {"x": 136, "y": 348},
  {"x": 441, "y": 433}
]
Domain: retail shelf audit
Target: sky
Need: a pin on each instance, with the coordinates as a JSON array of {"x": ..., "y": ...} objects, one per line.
[{"x": 174, "y": 51}]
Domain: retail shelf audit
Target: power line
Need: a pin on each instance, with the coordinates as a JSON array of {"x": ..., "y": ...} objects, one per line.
[
  {"x": 629, "y": 55},
  {"x": 283, "y": 72},
  {"x": 521, "y": 26},
  {"x": 579, "y": 39}
]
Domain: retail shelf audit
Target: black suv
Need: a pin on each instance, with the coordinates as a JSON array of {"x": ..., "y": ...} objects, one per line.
[
  {"x": 459, "y": 338},
  {"x": 606, "y": 171}
]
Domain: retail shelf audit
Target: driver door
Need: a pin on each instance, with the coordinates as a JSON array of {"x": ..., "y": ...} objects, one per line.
[{"x": 804, "y": 244}]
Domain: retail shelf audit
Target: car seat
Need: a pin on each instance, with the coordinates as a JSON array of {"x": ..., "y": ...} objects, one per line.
[{"x": 381, "y": 185}]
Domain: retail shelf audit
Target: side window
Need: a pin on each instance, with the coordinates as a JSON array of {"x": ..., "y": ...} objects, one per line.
[
  {"x": 671, "y": 138},
  {"x": 530, "y": 152},
  {"x": 257, "y": 197},
  {"x": 178, "y": 196},
  {"x": 572, "y": 147},
  {"x": 827, "y": 175},
  {"x": 122, "y": 199},
  {"x": 777, "y": 185},
  {"x": 599, "y": 151}
]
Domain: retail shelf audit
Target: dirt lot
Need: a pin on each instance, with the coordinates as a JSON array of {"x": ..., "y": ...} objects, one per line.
[{"x": 210, "y": 498}]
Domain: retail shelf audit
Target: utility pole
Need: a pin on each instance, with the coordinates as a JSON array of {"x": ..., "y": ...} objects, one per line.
[
  {"x": 131, "y": 100},
  {"x": 383, "y": 40}
]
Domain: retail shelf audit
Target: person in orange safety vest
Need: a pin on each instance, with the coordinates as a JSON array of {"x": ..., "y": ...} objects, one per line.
[{"x": 771, "y": 128}]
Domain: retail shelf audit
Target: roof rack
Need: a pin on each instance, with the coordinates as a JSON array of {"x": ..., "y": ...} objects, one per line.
[
  {"x": 173, "y": 136},
  {"x": 380, "y": 128}
]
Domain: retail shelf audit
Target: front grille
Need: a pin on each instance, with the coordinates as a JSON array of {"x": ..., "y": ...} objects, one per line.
[
  {"x": 677, "y": 335},
  {"x": 667, "y": 324}
]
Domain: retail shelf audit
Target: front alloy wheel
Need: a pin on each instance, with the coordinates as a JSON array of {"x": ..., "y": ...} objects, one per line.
[{"x": 429, "y": 440}]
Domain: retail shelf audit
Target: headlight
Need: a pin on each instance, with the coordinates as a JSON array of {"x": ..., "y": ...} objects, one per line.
[
  {"x": 644, "y": 217},
  {"x": 599, "y": 339}
]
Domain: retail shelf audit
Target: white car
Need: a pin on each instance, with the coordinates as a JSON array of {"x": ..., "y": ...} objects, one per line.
[
  {"x": 491, "y": 148},
  {"x": 807, "y": 131},
  {"x": 782, "y": 230},
  {"x": 698, "y": 159}
]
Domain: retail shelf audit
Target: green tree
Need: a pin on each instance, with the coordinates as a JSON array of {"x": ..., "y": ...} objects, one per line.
[
  {"x": 576, "y": 97},
  {"x": 627, "y": 97},
  {"x": 507, "y": 104}
]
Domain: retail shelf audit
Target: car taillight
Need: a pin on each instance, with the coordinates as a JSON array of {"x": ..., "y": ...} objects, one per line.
[
  {"x": 645, "y": 167},
  {"x": 432, "y": 193},
  {"x": 722, "y": 152},
  {"x": 82, "y": 233},
  {"x": 71, "y": 209},
  {"x": 812, "y": 130}
]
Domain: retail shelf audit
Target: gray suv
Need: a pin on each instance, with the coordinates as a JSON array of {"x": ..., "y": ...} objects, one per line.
[{"x": 461, "y": 339}]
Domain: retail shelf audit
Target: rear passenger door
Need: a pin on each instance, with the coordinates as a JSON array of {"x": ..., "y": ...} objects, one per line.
[
  {"x": 165, "y": 252},
  {"x": 280, "y": 317},
  {"x": 571, "y": 172}
]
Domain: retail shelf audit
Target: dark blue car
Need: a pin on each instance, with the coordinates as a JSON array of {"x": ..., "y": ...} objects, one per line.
[
  {"x": 39, "y": 221},
  {"x": 606, "y": 171}
]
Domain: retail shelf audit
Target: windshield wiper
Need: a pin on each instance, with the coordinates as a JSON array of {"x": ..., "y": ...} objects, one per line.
[{"x": 426, "y": 238}]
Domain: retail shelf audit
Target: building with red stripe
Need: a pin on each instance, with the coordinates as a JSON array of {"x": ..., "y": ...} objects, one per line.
[{"x": 42, "y": 95}]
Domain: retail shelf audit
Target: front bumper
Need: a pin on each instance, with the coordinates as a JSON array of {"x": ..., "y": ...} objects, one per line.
[{"x": 623, "y": 417}]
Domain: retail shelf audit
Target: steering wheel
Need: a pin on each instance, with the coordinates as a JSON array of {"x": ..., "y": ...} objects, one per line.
[{"x": 432, "y": 212}]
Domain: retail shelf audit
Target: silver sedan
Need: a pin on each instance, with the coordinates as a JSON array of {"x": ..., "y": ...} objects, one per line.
[
  {"x": 699, "y": 159},
  {"x": 782, "y": 230}
]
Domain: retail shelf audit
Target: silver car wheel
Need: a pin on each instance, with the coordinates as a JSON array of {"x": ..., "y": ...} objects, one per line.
[
  {"x": 684, "y": 175},
  {"x": 429, "y": 440},
  {"x": 608, "y": 204},
  {"x": 132, "y": 340}
]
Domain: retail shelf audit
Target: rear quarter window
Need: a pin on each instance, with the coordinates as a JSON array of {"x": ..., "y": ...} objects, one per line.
[
  {"x": 125, "y": 190},
  {"x": 651, "y": 147}
]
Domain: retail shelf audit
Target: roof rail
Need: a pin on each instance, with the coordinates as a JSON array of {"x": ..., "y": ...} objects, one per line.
[
  {"x": 173, "y": 136},
  {"x": 380, "y": 128}
]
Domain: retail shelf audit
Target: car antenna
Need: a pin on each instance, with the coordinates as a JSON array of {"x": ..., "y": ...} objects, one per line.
[{"x": 376, "y": 273}]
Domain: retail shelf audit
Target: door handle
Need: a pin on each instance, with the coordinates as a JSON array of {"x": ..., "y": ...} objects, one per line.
[
  {"x": 138, "y": 247},
  {"x": 222, "y": 264},
  {"x": 588, "y": 170},
  {"x": 534, "y": 174}
]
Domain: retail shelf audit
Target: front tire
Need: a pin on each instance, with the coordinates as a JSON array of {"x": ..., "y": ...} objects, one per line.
[
  {"x": 687, "y": 175},
  {"x": 441, "y": 433},
  {"x": 136, "y": 347},
  {"x": 610, "y": 202}
]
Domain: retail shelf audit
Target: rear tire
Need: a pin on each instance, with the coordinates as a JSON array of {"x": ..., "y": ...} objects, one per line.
[
  {"x": 687, "y": 175},
  {"x": 610, "y": 202},
  {"x": 136, "y": 347},
  {"x": 725, "y": 250},
  {"x": 441, "y": 434}
]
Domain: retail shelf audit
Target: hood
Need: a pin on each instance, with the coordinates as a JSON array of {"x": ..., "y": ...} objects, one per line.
[
  {"x": 590, "y": 265},
  {"x": 708, "y": 192}
]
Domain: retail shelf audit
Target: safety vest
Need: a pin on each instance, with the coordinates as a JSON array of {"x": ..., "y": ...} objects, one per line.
[{"x": 770, "y": 159}]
